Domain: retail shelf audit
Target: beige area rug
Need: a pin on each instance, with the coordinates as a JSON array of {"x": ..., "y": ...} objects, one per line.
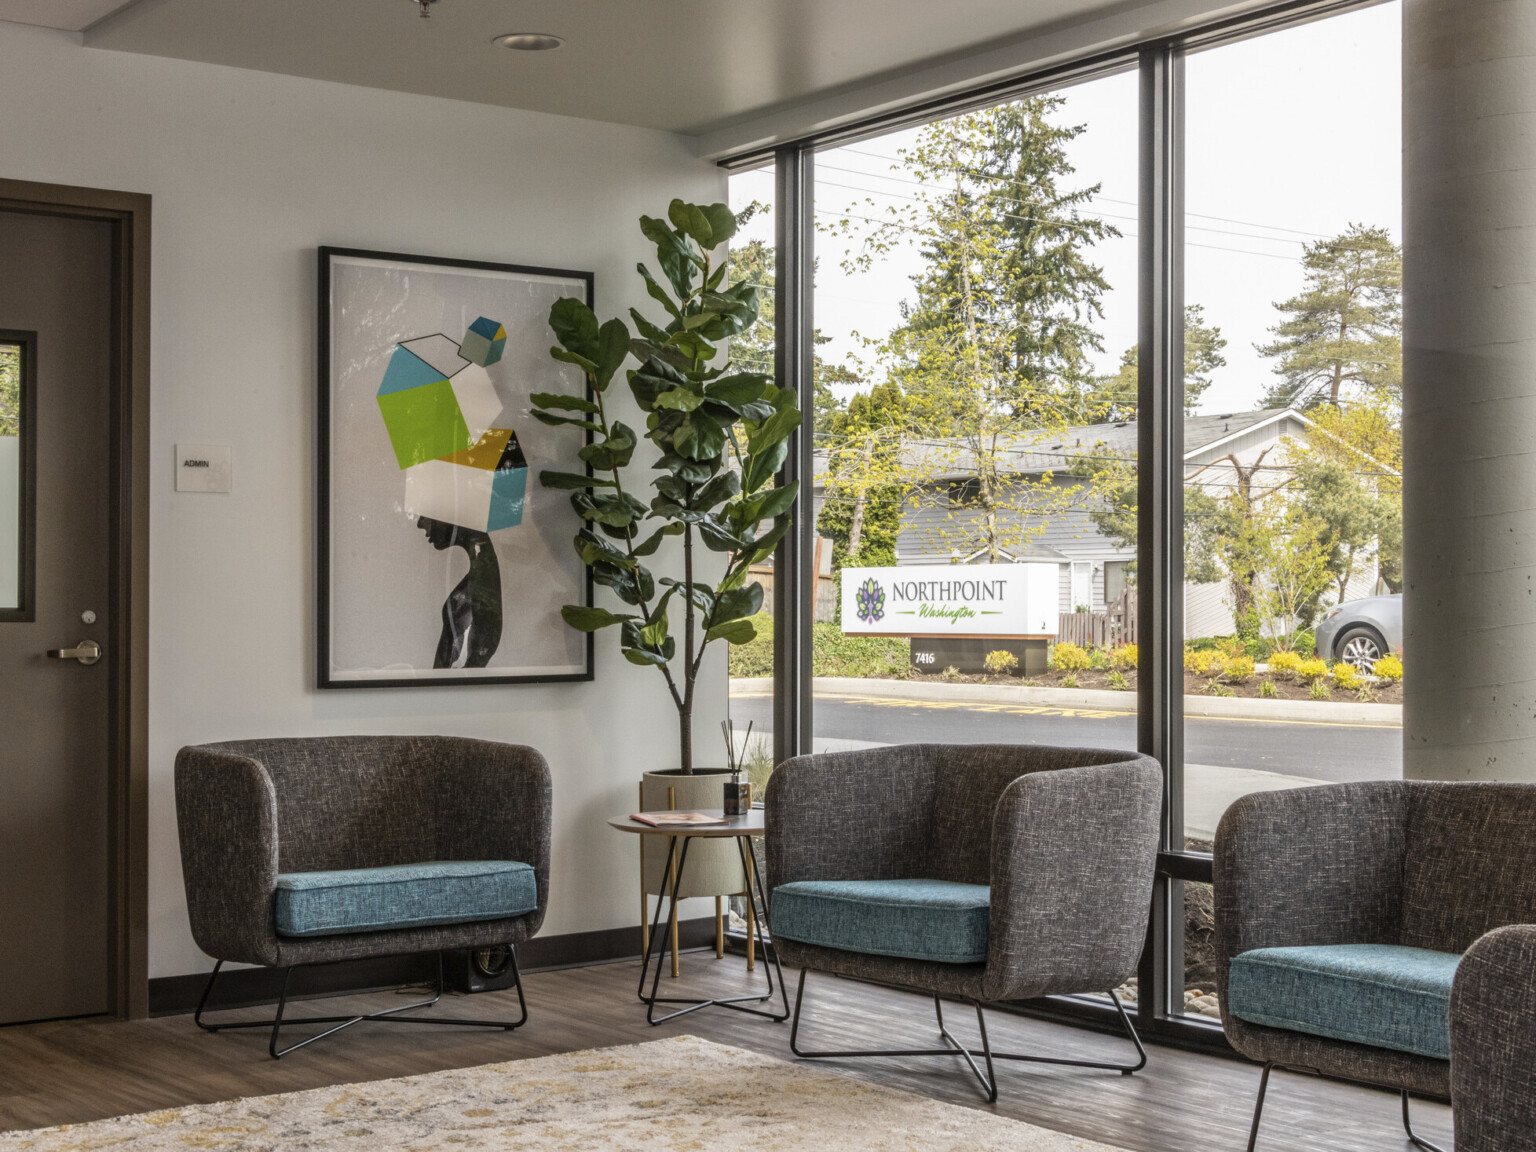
[{"x": 681, "y": 1093}]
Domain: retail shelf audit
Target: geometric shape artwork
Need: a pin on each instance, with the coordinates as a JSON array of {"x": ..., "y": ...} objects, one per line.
[
  {"x": 428, "y": 413},
  {"x": 437, "y": 564},
  {"x": 438, "y": 351},
  {"x": 483, "y": 487},
  {"x": 484, "y": 342},
  {"x": 424, "y": 422}
]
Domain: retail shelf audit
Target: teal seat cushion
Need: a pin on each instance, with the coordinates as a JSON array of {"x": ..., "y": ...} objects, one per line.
[
  {"x": 1384, "y": 995},
  {"x": 937, "y": 920},
  {"x": 403, "y": 896}
]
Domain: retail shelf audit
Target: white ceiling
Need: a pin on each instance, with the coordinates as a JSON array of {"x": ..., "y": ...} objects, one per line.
[
  {"x": 689, "y": 66},
  {"x": 71, "y": 15}
]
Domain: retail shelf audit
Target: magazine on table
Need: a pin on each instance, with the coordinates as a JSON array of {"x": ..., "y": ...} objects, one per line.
[{"x": 678, "y": 819}]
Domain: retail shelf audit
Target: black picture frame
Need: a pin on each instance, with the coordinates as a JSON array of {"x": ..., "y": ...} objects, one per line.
[
  {"x": 326, "y": 676},
  {"x": 24, "y": 611}
]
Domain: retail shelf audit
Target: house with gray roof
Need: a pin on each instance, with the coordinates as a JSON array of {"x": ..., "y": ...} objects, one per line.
[{"x": 1051, "y": 521}]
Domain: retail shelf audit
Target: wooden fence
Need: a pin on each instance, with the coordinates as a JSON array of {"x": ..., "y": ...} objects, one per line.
[{"x": 1115, "y": 625}]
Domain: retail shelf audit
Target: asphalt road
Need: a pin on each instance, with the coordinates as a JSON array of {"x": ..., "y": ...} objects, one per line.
[{"x": 1333, "y": 752}]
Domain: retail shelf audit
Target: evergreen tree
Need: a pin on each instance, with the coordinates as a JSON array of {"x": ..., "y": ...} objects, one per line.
[
  {"x": 753, "y": 262},
  {"x": 994, "y": 351},
  {"x": 1115, "y": 397},
  {"x": 1345, "y": 329}
]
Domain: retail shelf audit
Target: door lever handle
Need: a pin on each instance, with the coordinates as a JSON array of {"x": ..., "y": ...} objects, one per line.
[{"x": 87, "y": 652}]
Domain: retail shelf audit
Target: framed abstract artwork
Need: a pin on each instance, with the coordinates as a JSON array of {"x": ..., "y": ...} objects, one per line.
[{"x": 440, "y": 558}]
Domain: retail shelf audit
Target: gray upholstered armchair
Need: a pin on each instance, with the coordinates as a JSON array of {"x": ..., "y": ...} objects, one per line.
[
  {"x": 308, "y": 851},
  {"x": 1493, "y": 1042},
  {"x": 969, "y": 872},
  {"x": 1342, "y": 913}
]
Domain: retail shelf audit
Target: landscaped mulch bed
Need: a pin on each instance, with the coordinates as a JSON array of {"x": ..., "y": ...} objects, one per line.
[{"x": 1384, "y": 693}]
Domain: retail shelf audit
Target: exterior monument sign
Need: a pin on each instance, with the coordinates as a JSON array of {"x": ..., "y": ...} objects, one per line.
[{"x": 970, "y": 600}]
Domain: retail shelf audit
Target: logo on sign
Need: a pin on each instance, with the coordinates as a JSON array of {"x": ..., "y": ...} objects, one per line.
[{"x": 870, "y": 598}]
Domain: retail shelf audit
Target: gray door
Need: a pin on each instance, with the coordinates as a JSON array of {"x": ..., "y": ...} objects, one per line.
[{"x": 56, "y": 355}]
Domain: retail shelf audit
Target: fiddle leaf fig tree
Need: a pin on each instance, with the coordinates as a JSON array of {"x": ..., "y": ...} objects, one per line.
[{"x": 722, "y": 436}]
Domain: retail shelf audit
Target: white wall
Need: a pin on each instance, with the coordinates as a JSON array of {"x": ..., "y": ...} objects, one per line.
[{"x": 249, "y": 173}]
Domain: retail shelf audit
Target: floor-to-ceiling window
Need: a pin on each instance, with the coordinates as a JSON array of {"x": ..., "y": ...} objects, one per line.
[
  {"x": 1292, "y": 457},
  {"x": 993, "y": 370}
]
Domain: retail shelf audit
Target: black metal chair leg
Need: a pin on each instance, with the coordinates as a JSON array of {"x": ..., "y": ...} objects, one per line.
[
  {"x": 989, "y": 1080},
  {"x": 387, "y": 1016},
  {"x": 1258, "y": 1107},
  {"x": 1419, "y": 1141}
]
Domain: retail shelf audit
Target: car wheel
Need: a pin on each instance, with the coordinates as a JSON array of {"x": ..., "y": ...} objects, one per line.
[{"x": 1361, "y": 647}]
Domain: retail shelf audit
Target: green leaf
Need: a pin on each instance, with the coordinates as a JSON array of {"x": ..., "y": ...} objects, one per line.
[
  {"x": 653, "y": 541},
  {"x": 642, "y": 657},
  {"x": 652, "y": 333},
  {"x": 716, "y": 276},
  {"x": 658, "y": 293},
  {"x": 690, "y": 220},
  {"x": 679, "y": 399},
  {"x": 546, "y": 418},
  {"x": 777, "y": 502},
  {"x": 575, "y": 326},
  {"x": 775, "y": 428},
  {"x": 717, "y": 491},
  {"x": 561, "y": 401},
  {"x": 763, "y": 466},
  {"x": 763, "y": 546},
  {"x": 700, "y": 438},
  {"x": 571, "y": 480},
  {"x": 594, "y": 550},
  {"x": 732, "y": 632},
  {"x": 722, "y": 223},
  {"x": 590, "y": 619},
  {"x": 612, "y": 350},
  {"x": 737, "y": 603},
  {"x": 653, "y": 378},
  {"x": 717, "y": 537},
  {"x": 741, "y": 388},
  {"x": 614, "y": 452},
  {"x": 571, "y": 358}
]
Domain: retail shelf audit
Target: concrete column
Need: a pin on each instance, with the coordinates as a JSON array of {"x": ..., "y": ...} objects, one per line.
[{"x": 1469, "y": 389}]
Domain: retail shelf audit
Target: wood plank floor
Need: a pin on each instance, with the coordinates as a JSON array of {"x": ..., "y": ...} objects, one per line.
[{"x": 83, "y": 1070}]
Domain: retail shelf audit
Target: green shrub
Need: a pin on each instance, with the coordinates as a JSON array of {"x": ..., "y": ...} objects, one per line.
[
  {"x": 1285, "y": 664},
  {"x": 1319, "y": 690},
  {"x": 1117, "y": 682},
  {"x": 1124, "y": 657},
  {"x": 950, "y": 673},
  {"x": 1240, "y": 669},
  {"x": 1069, "y": 680},
  {"x": 1267, "y": 690},
  {"x": 1068, "y": 658},
  {"x": 754, "y": 658},
  {"x": 1304, "y": 642},
  {"x": 1388, "y": 668},
  {"x": 1098, "y": 658},
  {"x": 1217, "y": 688},
  {"x": 1000, "y": 662}
]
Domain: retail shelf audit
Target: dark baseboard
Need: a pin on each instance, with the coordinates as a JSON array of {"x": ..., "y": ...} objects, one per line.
[{"x": 241, "y": 987}]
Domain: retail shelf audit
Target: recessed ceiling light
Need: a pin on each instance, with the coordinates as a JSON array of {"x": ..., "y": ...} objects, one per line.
[{"x": 529, "y": 41}]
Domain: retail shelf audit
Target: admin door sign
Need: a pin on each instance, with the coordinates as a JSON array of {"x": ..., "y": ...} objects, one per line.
[{"x": 954, "y": 599}]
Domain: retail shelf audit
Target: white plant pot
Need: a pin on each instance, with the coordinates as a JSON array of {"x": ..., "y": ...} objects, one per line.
[{"x": 714, "y": 865}]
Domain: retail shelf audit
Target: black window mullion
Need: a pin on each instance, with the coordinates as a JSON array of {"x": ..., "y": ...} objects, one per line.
[
  {"x": 1160, "y": 506},
  {"x": 794, "y": 584}
]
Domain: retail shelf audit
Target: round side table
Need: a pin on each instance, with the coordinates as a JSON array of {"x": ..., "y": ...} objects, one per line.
[{"x": 742, "y": 829}]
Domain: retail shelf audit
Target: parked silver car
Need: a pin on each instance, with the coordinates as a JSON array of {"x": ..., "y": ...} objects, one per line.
[{"x": 1361, "y": 631}]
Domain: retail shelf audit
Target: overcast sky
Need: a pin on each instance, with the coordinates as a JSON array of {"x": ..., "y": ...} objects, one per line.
[{"x": 1292, "y": 137}]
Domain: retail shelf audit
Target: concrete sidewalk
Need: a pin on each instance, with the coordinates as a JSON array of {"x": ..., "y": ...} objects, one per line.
[{"x": 1229, "y": 707}]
